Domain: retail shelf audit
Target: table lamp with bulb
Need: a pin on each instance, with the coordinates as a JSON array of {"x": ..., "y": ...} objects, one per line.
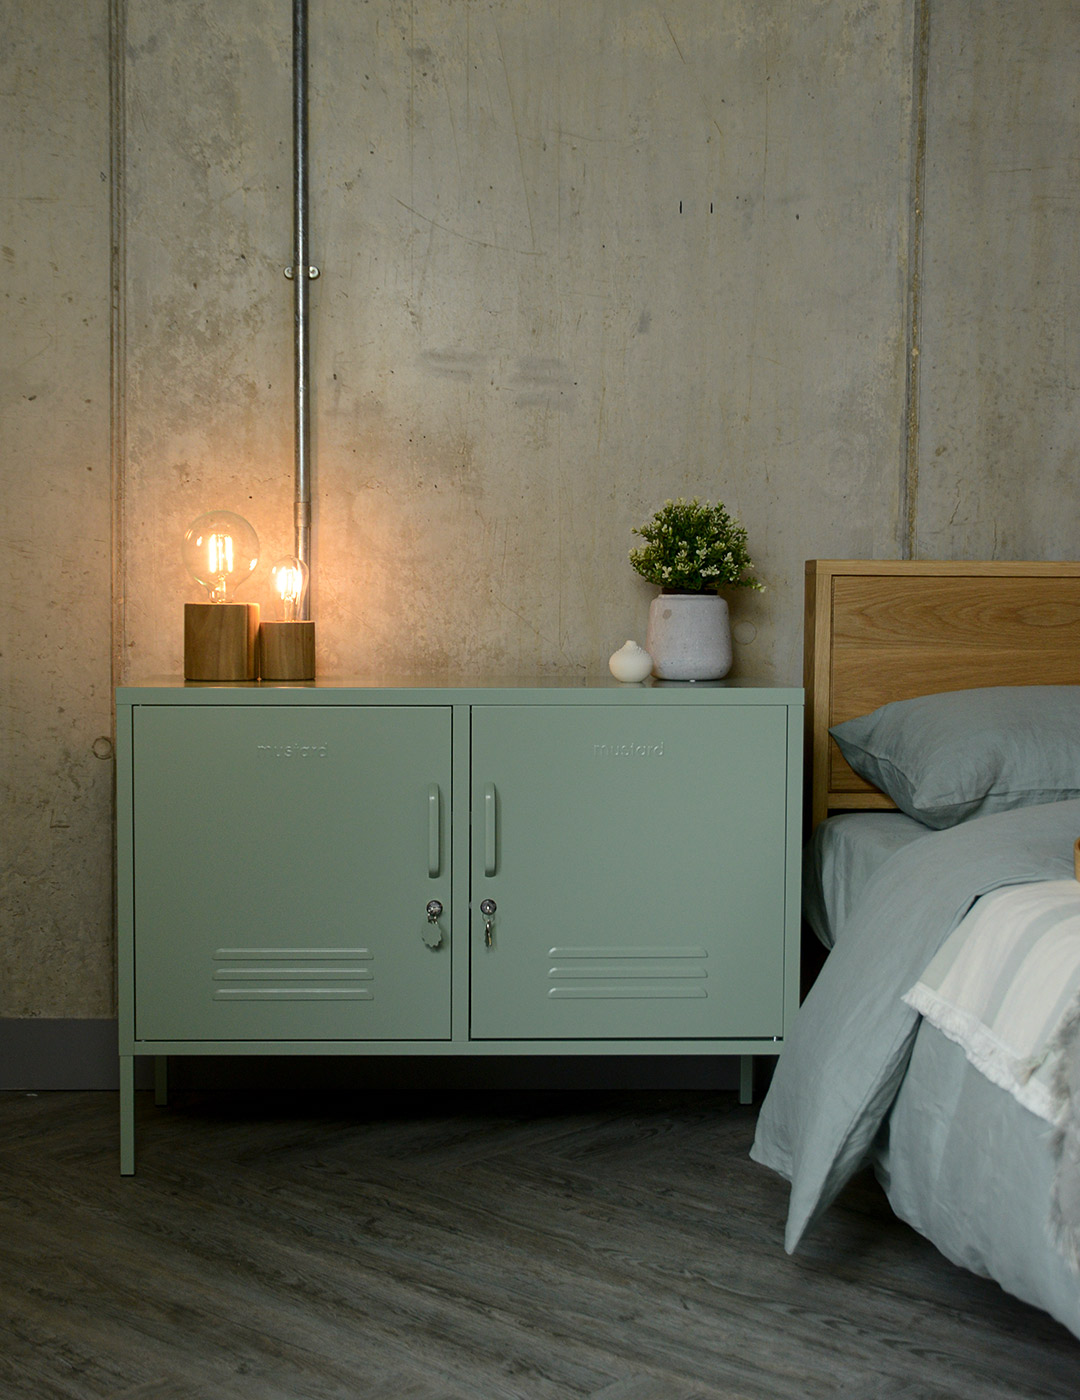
[
  {"x": 287, "y": 642},
  {"x": 220, "y": 550}
]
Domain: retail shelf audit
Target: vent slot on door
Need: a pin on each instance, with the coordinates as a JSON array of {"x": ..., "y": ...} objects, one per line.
[
  {"x": 596, "y": 974},
  {"x": 293, "y": 974}
]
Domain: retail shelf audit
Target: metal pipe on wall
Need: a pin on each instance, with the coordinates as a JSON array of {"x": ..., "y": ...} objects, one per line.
[{"x": 301, "y": 273}]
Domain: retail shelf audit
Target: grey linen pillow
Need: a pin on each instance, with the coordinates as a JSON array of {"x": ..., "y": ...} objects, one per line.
[{"x": 966, "y": 753}]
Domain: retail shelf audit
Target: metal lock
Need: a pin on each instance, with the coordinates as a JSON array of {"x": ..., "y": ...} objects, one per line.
[
  {"x": 488, "y": 908},
  {"x": 432, "y": 934}
]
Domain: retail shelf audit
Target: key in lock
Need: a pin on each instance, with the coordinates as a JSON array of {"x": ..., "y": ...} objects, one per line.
[{"x": 432, "y": 934}]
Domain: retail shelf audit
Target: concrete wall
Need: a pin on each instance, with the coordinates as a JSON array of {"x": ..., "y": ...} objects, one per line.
[
  {"x": 577, "y": 257},
  {"x": 56, "y": 775},
  {"x": 999, "y": 432}
]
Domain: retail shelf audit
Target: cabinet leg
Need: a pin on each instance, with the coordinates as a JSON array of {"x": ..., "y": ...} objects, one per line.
[
  {"x": 127, "y": 1115},
  {"x": 161, "y": 1080},
  {"x": 746, "y": 1079}
]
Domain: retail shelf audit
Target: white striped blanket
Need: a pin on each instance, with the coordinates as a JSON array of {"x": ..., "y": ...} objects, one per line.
[{"x": 1003, "y": 986}]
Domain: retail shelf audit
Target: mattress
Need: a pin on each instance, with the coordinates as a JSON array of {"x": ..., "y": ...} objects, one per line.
[{"x": 841, "y": 856}]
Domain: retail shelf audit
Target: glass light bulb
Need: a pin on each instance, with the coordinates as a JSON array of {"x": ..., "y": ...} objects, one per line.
[
  {"x": 220, "y": 550},
  {"x": 289, "y": 578}
]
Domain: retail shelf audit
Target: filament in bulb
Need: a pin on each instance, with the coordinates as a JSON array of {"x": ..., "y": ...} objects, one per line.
[{"x": 220, "y": 564}]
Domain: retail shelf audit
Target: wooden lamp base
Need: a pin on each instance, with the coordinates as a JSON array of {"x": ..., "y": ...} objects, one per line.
[
  {"x": 220, "y": 641},
  {"x": 287, "y": 651}
]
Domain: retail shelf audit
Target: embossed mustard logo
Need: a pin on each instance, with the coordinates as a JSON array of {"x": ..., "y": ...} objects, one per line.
[
  {"x": 292, "y": 750},
  {"x": 630, "y": 750}
]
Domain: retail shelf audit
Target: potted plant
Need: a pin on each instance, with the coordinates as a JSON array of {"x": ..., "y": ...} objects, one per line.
[{"x": 692, "y": 550}]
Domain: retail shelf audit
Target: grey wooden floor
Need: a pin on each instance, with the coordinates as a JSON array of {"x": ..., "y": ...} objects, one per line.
[{"x": 512, "y": 1245}]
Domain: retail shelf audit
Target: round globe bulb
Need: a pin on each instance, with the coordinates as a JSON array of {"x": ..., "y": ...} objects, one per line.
[{"x": 220, "y": 550}]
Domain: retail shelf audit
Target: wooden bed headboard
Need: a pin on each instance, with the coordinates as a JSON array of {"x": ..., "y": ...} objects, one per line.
[{"x": 881, "y": 630}]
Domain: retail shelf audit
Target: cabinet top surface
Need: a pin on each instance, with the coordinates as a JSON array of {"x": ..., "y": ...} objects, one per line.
[{"x": 447, "y": 690}]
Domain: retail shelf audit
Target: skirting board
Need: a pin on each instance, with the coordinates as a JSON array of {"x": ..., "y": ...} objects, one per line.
[{"x": 39, "y": 1055}]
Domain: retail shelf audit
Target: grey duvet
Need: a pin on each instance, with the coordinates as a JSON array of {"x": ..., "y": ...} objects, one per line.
[{"x": 961, "y": 1160}]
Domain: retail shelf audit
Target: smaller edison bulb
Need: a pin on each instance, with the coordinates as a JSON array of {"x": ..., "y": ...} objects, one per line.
[
  {"x": 289, "y": 578},
  {"x": 220, "y": 550}
]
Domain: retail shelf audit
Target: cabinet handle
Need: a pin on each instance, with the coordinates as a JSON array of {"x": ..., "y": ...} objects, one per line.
[
  {"x": 434, "y": 832},
  {"x": 490, "y": 852}
]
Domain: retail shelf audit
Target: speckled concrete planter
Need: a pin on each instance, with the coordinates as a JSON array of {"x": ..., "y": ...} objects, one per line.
[{"x": 689, "y": 637}]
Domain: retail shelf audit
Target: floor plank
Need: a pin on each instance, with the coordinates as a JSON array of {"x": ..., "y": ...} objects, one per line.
[{"x": 610, "y": 1245}]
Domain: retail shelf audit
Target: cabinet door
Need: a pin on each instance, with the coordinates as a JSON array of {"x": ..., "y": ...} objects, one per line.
[
  {"x": 636, "y": 858},
  {"x": 283, "y": 860}
]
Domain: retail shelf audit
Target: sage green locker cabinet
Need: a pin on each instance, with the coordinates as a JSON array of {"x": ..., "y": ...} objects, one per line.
[
  {"x": 283, "y": 860},
  {"x": 615, "y": 870},
  {"x": 636, "y": 861}
]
